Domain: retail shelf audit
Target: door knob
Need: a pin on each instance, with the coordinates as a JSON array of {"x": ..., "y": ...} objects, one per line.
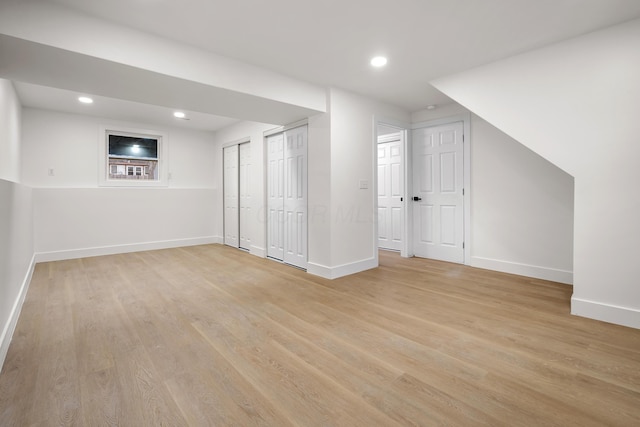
[{"x": 416, "y": 198}]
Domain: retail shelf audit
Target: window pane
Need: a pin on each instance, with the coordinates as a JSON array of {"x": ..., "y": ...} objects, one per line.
[
  {"x": 133, "y": 147},
  {"x": 133, "y": 158}
]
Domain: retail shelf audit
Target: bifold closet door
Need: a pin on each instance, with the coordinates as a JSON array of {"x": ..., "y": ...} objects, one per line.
[
  {"x": 245, "y": 194},
  {"x": 287, "y": 196},
  {"x": 295, "y": 197},
  {"x": 275, "y": 196},
  {"x": 231, "y": 200}
]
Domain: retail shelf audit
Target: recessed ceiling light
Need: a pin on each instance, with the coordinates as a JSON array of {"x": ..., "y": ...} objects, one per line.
[
  {"x": 179, "y": 115},
  {"x": 431, "y": 107},
  {"x": 379, "y": 61},
  {"x": 85, "y": 100}
]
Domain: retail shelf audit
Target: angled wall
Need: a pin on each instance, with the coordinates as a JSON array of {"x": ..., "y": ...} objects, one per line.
[
  {"x": 575, "y": 103},
  {"x": 521, "y": 205}
]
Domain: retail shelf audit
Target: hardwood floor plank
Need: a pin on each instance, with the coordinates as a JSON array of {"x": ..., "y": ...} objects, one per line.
[
  {"x": 148, "y": 401},
  {"x": 103, "y": 401},
  {"x": 19, "y": 375},
  {"x": 56, "y": 398}
]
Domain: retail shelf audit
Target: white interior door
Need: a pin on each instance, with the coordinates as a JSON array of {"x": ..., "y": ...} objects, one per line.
[
  {"x": 245, "y": 201},
  {"x": 438, "y": 202},
  {"x": 230, "y": 188},
  {"x": 295, "y": 197},
  {"x": 275, "y": 196},
  {"x": 390, "y": 192}
]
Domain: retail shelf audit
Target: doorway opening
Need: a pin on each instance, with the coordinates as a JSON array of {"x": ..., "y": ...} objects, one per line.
[{"x": 391, "y": 188}]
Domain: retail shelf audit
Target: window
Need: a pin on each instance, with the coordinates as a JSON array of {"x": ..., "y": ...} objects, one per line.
[{"x": 131, "y": 157}]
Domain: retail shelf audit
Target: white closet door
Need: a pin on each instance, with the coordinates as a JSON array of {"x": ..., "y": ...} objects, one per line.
[
  {"x": 245, "y": 195},
  {"x": 295, "y": 197},
  {"x": 231, "y": 178},
  {"x": 275, "y": 196}
]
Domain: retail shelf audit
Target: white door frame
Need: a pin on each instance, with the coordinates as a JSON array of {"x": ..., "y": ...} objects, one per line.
[{"x": 465, "y": 118}]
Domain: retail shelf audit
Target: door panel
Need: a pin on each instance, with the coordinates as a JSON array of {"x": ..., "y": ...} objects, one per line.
[
  {"x": 231, "y": 202},
  {"x": 287, "y": 196},
  {"x": 245, "y": 195},
  {"x": 275, "y": 196},
  {"x": 438, "y": 180},
  {"x": 390, "y": 192},
  {"x": 295, "y": 200}
]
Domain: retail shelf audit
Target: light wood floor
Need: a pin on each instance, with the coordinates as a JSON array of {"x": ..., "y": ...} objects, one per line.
[{"x": 212, "y": 336}]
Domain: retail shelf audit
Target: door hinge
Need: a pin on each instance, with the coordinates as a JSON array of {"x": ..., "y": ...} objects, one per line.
[
  {"x": 462, "y": 245},
  {"x": 463, "y": 191}
]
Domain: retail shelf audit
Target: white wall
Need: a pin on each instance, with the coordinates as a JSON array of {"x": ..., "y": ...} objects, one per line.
[
  {"x": 353, "y": 237},
  {"x": 16, "y": 219},
  {"x": 521, "y": 208},
  {"x": 74, "y": 217},
  {"x": 575, "y": 103},
  {"x": 68, "y": 144},
  {"x": 78, "y": 222},
  {"x": 16, "y": 256},
  {"x": 9, "y": 132},
  {"x": 319, "y": 201}
]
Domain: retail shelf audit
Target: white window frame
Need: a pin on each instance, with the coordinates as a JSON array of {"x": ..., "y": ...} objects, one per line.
[{"x": 103, "y": 157}]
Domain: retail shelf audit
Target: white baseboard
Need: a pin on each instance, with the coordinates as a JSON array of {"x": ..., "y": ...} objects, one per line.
[
  {"x": 10, "y": 327},
  {"x": 341, "y": 270},
  {"x": 120, "y": 249},
  {"x": 259, "y": 252},
  {"x": 624, "y": 316},
  {"x": 218, "y": 239},
  {"x": 544, "y": 273}
]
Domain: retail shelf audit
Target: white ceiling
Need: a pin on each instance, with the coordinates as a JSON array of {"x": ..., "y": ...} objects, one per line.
[{"x": 329, "y": 42}]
